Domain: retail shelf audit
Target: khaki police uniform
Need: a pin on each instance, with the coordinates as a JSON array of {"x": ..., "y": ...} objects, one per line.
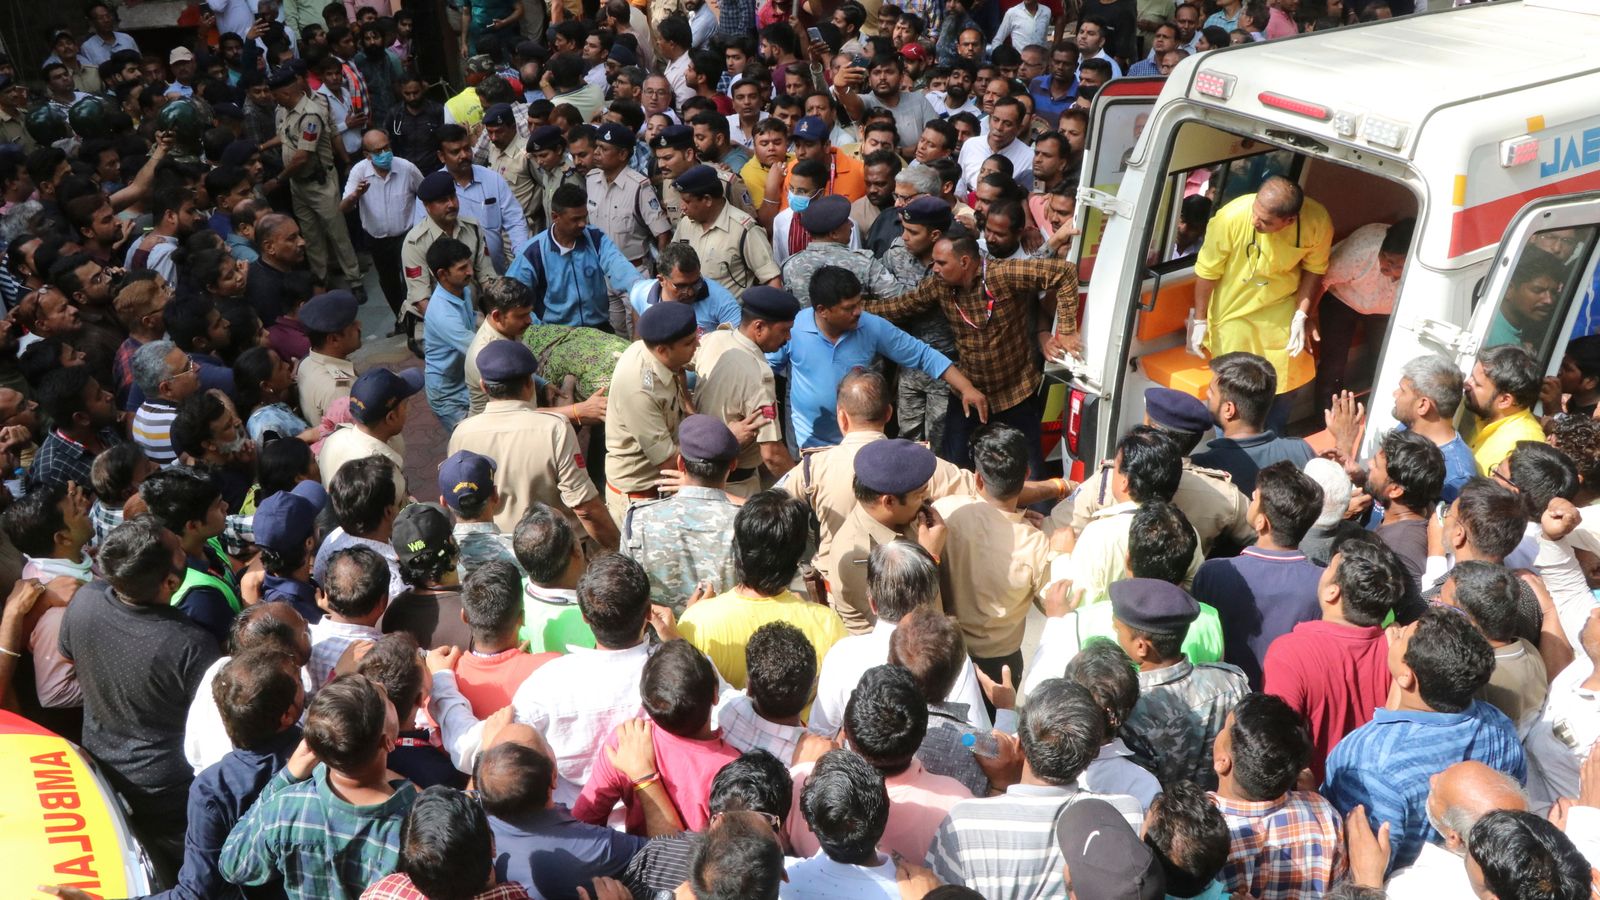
[
  {"x": 323, "y": 379},
  {"x": 844, "y": 567},
  {"x": 626, "y": 209},
  {"x": 349, "y": 442},
  {"x": 414, "y": 257},
  {"x": 513, "y": 164},
  {"x": 547, "y": 181},
  {"x": 536, "y": 459},
  {"x": 733, "y": 188},
  {"x": 734, "y": 251},
  {"x": 995, "y": 565},
  {"x": 733, "y": 380},
  {"x": 485, "y": 336},
  {"x": 825, "y": 479},
  {"x": 315, "y": 191},
  {"x": 647, "y": 403},
  {"x": 12, "y": 130},
  {"x": 1208, "y": 497}
]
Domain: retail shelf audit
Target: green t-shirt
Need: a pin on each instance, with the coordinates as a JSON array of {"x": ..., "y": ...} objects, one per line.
[
  {"x": 1202, "y": 644},
  {"x": 556, "y": 627}
]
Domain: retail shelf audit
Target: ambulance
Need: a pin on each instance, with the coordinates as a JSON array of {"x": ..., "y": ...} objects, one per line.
[
  {"x": 1480, "y": 122},
  {"x": 60, "y": 822}
]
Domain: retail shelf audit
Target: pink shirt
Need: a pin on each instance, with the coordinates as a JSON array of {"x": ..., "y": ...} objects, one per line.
[
  {"x": 1280, "y": 24},
  {"x": 919, "y": 801},
  {"x": 489, "y": 682},
  {"x": 1333, "y": 674},
  {"x": 686, "y": 766}
]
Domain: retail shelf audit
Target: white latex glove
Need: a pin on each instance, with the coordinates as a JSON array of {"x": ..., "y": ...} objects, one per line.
[
  {"x": 1197, "y": 334},
  {"x": 1297, "y": 334}
]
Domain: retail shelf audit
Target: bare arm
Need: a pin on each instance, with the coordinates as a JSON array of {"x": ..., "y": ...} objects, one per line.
[
  {"x": 775, "y": 456},
  {"x": 597, "y": 522},
  {"x": 139, "y": 187},
  {"x": 1203, "y": 288}
]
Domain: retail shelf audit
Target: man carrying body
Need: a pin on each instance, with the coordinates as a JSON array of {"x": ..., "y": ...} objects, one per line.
[
  {"x": 650, "y": 398},
  {"x": 573, "y": 267},
  {"x": 1257, "y": 275}
]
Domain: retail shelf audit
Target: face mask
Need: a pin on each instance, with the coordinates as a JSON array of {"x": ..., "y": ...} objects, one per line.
[
  {"x": 383, "y": 160},
  {"x": 798, "y": 203}
]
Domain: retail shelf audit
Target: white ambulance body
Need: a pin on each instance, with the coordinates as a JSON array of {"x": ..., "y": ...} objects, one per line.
[{"x": 1482, "y": 122}]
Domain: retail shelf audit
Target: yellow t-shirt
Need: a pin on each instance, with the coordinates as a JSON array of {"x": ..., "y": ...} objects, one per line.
[
  {"x": 1257, "y": 278},
  {"x": 721, "y": 626},
  {"x": 1495, "y": 441},
  {"x": 755, "y": 180}
]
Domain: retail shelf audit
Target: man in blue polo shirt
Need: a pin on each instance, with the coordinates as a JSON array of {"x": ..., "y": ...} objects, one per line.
[
  {"x": 835, "y": 336},
  {"x": 448, "y": 327},
  {"x": 679, "y": 278}
]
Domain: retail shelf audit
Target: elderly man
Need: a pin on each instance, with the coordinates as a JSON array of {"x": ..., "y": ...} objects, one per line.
[
  {"x": 1457, "y": 798},
  {"x": 1258, "y": 273}
]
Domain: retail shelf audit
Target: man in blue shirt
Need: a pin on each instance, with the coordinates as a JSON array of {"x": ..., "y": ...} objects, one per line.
[
  {"x": 1056, "y": 89},
  {"x": 448, "y": 326},
  {"x": 1439, "y": 664},
  {"x": 485, "y": 197},
  {"x": 679, "y": 278},
  {"x": 571, "y": 267},
  {"x": 1241, "y": 398},
  {"x": 835, "y": 336}
]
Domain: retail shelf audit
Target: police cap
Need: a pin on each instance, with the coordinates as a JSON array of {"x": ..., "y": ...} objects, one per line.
[
  {"x": 1153, "y": 605},
  {"x": 676, "y": 137},
  {"x": 1177, "y": 410},
  {"x": 770, "y": 303},
  {"x": 329, "y": 313},
  {"x": 707, "y": 439},
  {"x": 895, "y": 466},
  {"x": 825, "y": 214},
  {"x": 437, "y": 186},
  {"x": 665, "y": 323},
  {"x": 505, "y": 361}
]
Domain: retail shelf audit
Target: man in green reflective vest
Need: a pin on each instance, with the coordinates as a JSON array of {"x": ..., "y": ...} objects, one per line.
[{"x": 189, "y": 504}]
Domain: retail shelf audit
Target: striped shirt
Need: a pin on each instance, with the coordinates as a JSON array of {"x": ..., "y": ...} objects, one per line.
[
  {"x": 1005, "y": 848},
  {"x": 1282, "y": 849},
  {"x": 1385, "y": 765},
  {"x": 152, "y": 430},
  {"x": 317, "y": 844}
]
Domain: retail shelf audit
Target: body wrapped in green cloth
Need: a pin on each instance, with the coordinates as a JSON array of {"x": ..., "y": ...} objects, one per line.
[{"x": 588, "y": 354}]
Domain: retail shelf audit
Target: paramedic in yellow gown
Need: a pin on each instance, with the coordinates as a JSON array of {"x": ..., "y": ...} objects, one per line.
[{"x": 1258, "y": 272}]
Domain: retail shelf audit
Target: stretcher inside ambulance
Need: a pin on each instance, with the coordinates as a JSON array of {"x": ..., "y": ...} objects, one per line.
[{"x": 1479, "y": 122}]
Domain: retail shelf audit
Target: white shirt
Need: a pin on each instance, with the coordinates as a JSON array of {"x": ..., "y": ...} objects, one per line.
[
  {"x": 785, "y": 220},
  {"x": 387, "y": 205},
  {"x": 233, "y": 16},
  {"x": 941, "y": 105},
  {"x": 677, "y": 73},
  {"x": 851, "y": 657},
  {"x": 574, "y": 700},
  {"x": 1583, "y": 827},
  {"x": 736, "y": 132},
  {"x": 744, "y": 729},
  {"x": 339, "y": 114},
  {"x": 1113, "y": 771},
  {"x": 205, "y": 738},
  {"x": 338, "y": 539},
  {"x": 1022, "y": 28},
  {"x": 1559, "y": 741},
  {"x": 1437, "y": 874},
  {"x": 329, "y": 640},
  {"x": 823, "y": 879},
  {"x": 1116, "y": 67},
  {"x": 977, "y": 149}
]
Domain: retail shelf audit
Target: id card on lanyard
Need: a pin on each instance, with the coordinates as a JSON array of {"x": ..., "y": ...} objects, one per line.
[{"x": 988, "y": 296}]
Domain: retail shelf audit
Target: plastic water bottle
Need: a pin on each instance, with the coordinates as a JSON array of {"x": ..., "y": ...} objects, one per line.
[{"x": 981, "y": 743}]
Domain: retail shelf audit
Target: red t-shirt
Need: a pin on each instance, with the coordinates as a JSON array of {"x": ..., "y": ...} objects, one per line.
[
  {"x": 1334, "y": 674},
  {"x": 488, "y": 682}
]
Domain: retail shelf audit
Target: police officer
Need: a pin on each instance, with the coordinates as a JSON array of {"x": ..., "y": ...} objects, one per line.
[
  {"x": 308, "y": 164},
  {"x": 649, "y": 399},
  {"x": 508, "y": 155},
  {"x": 1216, "y": 508},
  {"x": 537, "y": 451},
  {"x": 734, "y": 380},
  {"x": 828, "y": 221},
  {"x": 437, "y": 193},
  {"x": 551, "y": 167},
  {"x": 922, "y": 401},
  {"x": 623, "y": 205},
  {"x": 734, "y": 250},
  {"x": 675, "y": 154},
  {"x": 687, "y": 539},
  {"x": 326, "y": 373}
]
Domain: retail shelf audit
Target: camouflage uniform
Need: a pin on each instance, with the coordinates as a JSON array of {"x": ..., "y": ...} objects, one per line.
[
  {"x": 479, "y": 543},
  {"x": 681, "y": 541},
  {"x": 1180, "y": 711},
  {"x": 877, "y": 282},
  {"x": 921, "y": 402}
]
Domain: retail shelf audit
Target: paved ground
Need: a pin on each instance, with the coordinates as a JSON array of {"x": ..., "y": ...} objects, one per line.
[{"x": 426, "y": 439}]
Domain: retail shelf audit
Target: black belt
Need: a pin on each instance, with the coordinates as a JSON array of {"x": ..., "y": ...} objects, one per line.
[{"x": 742, "y": 474}]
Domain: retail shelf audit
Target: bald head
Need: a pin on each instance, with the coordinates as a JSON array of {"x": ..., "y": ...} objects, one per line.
[
  {"x": 864, "y": 397},
  {"x": 514, "y": 779},
  {"x": 1466, "y": 792},
  {"x": 375, "y": 140},
  {"x": 1280, "y": 196}
]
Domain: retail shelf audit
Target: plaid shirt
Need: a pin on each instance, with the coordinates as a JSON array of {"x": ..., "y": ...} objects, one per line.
[
  {"x": 745, "y": 730},
  {"x": 736, "y": 17},
  {"x": 61, "y": 459},
  {"x": 399, "y": 887},
  {"x": 1284, "y": 848},
  {"x": 994, "y": 323},
  {"x": 318, "y": 845}
]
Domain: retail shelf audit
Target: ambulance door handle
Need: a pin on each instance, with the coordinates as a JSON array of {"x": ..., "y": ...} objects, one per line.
[{"x": 1154, "y": 277}]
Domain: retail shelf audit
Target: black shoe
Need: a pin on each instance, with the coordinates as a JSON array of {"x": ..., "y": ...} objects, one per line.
[{"x": 360, "y": 292}]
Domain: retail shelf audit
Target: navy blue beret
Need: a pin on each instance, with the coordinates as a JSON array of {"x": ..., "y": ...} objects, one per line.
[
  {"x": 770, "y": 303},
  {"x": 824, "y": 214},
  {"x": 1153, "y": 605},
  {"x": 678, "y": 137},
  {"x": 617, "y": 134},
  {"x": 895, "y": 467},
  {"x": 499, "y": 114},
  {"x": 505, "y": 361},
  {"x": 281, "y": 77},
  {"x": 699, "y": 180},
  {"x": 707, "y": 439},
  {"x": 1177, "y": 410},
  {"x": 664, "y": 323},
  {"x": 929, "y": 211},
  {"x": 329, "y": 313},
  {"x": 439, "y": 185},
  {"x": 546, "y": 137}
]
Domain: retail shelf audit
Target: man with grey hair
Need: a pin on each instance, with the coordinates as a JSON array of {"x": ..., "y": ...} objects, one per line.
[
  {"x": 167, "y": 377},
  {"x": 901, "y": 577},
  {"x": 1457, "y": 798},
  {"x": 914, "y": 181},
  {"x": 1425, "y": 402}
]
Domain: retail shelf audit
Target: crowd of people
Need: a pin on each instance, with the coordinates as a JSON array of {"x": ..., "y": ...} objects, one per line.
[{"x": 745, "y": 574}]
